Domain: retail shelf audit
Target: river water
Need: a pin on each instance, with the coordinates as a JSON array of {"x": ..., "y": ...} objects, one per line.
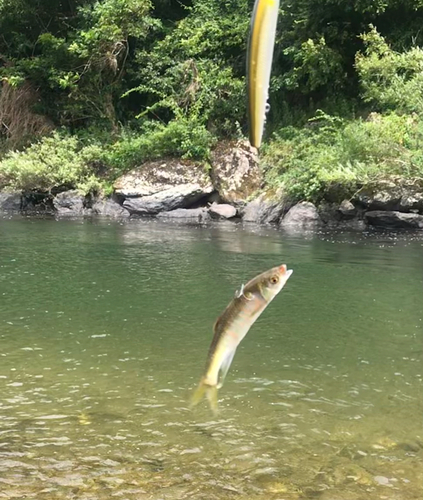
[{"x": 104, "y": 332}]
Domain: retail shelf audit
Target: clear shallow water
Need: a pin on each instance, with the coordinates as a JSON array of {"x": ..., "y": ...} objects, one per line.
[{"x": 104, "y": 331}]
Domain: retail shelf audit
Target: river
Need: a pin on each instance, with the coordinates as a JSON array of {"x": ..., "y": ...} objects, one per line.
[{"x": 104, "y": 331}]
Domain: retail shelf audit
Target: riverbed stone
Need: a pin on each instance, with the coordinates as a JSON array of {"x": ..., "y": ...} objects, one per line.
[
  {"x": 394, "y": 219},
  {"x": 10, "y": 201},
  {"x": 188, "y": 214},
  {"x": 267, "y": 208},
  {"x": 235, "y": 171},
  {"x": 69, "y": 203},
  {"x": 222, "y": 211},
  {"x": 347, "y": 209},
  {"x": 162, "y": 186},
  {"x": 109, "y": 208},
  {"x": 303, "y": 214}
]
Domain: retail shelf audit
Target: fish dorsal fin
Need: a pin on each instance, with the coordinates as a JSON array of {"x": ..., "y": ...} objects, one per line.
[
  {"x": 242, "y": 293},
  {"x": 239, "y": 292}
]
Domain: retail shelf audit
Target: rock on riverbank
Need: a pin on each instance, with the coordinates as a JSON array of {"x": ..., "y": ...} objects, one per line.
[{"x": 231, "y": 187}]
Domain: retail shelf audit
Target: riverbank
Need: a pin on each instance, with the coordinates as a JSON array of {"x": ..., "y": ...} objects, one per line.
[
  {"x": 232, "y": 187},
  {"x": 386, "y": 205}
]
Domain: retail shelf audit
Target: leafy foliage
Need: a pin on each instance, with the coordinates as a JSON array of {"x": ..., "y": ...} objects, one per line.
[
  {"x": 390, "y": 80},
  {"x": 54, "y": 161},
  {"x": 89, "y": 165},
  {"x": 196, "y": 71},
  {"x": 148, "y": 78},
  {"x": 334, "y": 155},
  {"x": 75, "y": 55},
  {"x": 180, "y": 138}
]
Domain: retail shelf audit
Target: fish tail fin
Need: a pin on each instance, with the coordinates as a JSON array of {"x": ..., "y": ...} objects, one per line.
[
  {"x": 204, "y": 389},
  {"x": 212, "y": 397}
]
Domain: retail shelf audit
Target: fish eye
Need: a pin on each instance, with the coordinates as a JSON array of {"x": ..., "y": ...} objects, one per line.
[{"x": 274, "y": 280}]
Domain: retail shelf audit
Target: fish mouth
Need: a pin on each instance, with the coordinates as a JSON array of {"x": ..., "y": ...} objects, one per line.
[{"x": 286, "y": 272}]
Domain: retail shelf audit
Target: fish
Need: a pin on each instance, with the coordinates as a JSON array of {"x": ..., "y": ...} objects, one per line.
[
  {"x": 261, "y": 42},
  {"x": 233, "y": 325}
]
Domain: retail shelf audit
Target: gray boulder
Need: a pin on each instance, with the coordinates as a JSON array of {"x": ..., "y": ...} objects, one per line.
[
  {"x": 10, "y": 202},
  {"x": 69, "y": 204},
  {"x": 394, "y": 194},
  {"x": 186, "y": 214},
  {"x": 235, "y": 171},
  {"x": 412, "y": 201},
  {"x": 344, "y": 216},
  {"x": 182, "y": 196},
  {"x": 109, "y": 208},
  {"x": 394, "y": 219},
  {"x": 302, "y": 215},
  {"x": 222, "y": 211},
  {"x": 160, "y": 186},
  {"x": 268, "y": 208}
]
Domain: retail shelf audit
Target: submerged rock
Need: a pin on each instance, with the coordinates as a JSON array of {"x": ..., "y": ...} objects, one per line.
[
  {"x": 394, "y": 219},
  {"x": 303, "y": 214},
  {"x": 235, "y": 171},
  {"x": 382, "y": 481},
  {"x": 222, "y": 211},
  {"x": 159, "y": 186}
]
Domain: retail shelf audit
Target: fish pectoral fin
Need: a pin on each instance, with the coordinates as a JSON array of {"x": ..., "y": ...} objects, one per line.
[
  {"x": 224, "y": 367},
  {"x": 204, "y": 389}
]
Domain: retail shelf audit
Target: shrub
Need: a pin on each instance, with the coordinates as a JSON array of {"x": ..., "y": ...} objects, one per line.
[
  {"x": 390, "y": 80},
  {"x": 331, "y": 155},
  {"x": 53, "y": 161},
  {"x": 180, "y": 138}
]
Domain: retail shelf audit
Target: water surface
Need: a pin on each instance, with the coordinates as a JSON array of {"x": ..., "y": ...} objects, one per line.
[{"x": 104, "y": 331}]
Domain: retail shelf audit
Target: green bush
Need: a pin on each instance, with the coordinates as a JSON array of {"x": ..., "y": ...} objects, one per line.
[
  {"x": 54, "y": 161},
  {"x": 180, "y": 138},
  {"x": 332, "y": 157},
  {"x": 390, "y": 80},
  {"x": 89, "y": 163}
]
